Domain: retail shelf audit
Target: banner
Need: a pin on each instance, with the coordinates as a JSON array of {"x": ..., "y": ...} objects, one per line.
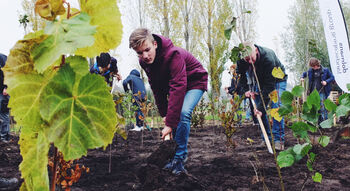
[{"x": 337, "y": 41}]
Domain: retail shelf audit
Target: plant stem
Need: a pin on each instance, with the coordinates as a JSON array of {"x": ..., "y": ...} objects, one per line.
[
  {"x": 272, "y": 138},
  {"x": 54, "y": 169},
  {"x": 110, "y": 159}
]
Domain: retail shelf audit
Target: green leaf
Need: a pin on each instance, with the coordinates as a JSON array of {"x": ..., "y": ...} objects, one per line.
[
  {"x": 327, "y": 123},
  {"x": 80, "y": 112},
  {"x": 106, "y": 16},
  {"x": 348, "y": 86},
  {"x": 285, "y": 159},
  {"x": 329, "y": 105},
  {"x": 342, "y": 110},
  {"x": 79, "y": 64},
  {"x": 34, "y": 148},
  {"x": 324, "y": 140},
  {"x": 309, "y": 166},
  {"x": 317, "y": 177},
  {"x": 314, "y": 99},
  {"x": 300, "y": 130},
  {"x": 312, "y": 157},
  {"x": 298, "y": 91},
  {"x": 302, "y": 149},
  {"x": 311, "y": 116},
  {"x": 65, "y": 37},
  {"x": 287, "y": 98},
  {"x": 285, "y": 109}
]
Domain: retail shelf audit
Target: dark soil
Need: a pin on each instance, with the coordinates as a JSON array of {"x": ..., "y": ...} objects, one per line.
[{"x": 212, "y": 165}]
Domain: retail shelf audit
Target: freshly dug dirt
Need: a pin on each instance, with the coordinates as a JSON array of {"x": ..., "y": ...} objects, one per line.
[{"x": 212, "y": 165}]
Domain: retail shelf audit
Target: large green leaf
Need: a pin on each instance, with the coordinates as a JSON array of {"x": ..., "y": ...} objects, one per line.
[
  {"x": 300, "y": 130},
  {"x": 25, "y": 85},
  {"x": 324, "y": 140},
  {"x": 287, "y": 98},
  {"x": 19, "y": 61},
  {"x": 80, "y": 112},
  {"x": 79, "y": 64},
  {"x": 285, "y": 109},
  {"x": 314, "y": 99},
  {"x": 327, "y": 123},
  {"x": 342, "y": 110},
  {"x": 285, "y": 158},
  {"x": 106, "y": 16},
  {"x": 297, "y": 91},
  {"x": 311, "y": 115},
  {"x": 34, "y": 150},
  {"x": 65, "y": 36},
  {"x": 329, "y": 105}
]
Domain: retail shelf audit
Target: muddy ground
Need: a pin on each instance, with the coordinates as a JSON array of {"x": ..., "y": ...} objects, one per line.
[{"x": 211, "y": 165}]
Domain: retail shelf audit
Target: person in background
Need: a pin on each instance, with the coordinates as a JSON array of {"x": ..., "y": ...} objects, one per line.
[
  {"x": 106, "y": 66},
  {"x": 320, "y": 79},
  {"x": 139, "y": 94},
  {"x": 4, "y": 110},
  {"x": 233, "y": 88},
  {"x": 264, "y": 61},
  {"x": 178, "y": 81}
]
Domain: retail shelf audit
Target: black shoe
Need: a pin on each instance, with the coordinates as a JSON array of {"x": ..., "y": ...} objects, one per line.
[{"x": 8, "y": 183}]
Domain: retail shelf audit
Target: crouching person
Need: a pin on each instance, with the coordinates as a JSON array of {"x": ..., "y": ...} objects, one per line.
[{"x": 178, "y": 81}]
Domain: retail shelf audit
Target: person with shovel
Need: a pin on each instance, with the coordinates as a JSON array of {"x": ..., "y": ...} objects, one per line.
[
  {"x": 320, "y": 79},
  {"x": 256, "y": 78},
  {"x": 139, "y": 94},
  {"x": 178, "y": 81}
]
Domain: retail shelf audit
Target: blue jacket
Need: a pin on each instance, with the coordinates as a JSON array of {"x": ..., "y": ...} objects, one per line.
[
  {"x": 136, "y": 84},
  {"x": 326, "y": 75}
]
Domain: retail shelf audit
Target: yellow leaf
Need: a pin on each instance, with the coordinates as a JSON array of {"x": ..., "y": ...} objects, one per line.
[
  {"x": 274, "y": 96},
  {"x": 278, "y": 73},
  {"x": 49, "y": 9},
  {"x": 250, "y": 140},
  {"x": 275, "y": 114},
  {"x": 105, "y": 15}
]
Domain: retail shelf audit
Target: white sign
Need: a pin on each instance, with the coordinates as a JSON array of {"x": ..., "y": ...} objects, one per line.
[{"x": 337, "y": 41}]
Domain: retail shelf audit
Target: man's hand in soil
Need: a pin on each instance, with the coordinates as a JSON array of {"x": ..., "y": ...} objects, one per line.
[{"x": 166, "y": 131}]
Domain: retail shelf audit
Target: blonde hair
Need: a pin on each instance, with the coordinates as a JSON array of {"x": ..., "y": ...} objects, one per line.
[
  {"x": 139, "y": 36},
  {"x": 314, "y": 62}
]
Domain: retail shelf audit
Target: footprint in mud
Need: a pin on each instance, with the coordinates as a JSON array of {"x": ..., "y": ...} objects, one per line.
[{"x": 153, "y": 177}]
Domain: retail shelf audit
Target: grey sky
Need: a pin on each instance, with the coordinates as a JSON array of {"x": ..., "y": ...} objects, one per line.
[{"x": 271, "y": 22}]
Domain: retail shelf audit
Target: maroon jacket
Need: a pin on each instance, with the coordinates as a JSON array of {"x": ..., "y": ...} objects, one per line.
[{"x": 173, "y": 72}]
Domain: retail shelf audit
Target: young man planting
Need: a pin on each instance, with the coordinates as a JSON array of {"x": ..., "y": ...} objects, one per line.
[
  {"x": 264, "y": 61},
  {"x": 178, "y": 81}
]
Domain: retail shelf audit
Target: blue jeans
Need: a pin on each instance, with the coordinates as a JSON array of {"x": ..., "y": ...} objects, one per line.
[
  {"x": 182, "y": 133},
  {"x": 139, "y": 113},
  {"x": 247, "y": 109},
  {"x": 323, "y": 111},
  {"x": 4, "y": 121},
  {"x": 277, "y": 127}
]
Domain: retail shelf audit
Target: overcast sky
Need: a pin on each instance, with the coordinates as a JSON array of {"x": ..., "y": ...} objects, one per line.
[{"x": 271, "y": 22}]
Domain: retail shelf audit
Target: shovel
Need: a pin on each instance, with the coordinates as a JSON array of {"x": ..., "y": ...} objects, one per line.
[{"x": 267, "y": 140}]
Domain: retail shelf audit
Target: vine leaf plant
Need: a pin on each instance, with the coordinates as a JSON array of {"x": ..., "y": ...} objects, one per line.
[
  {"x": 309, "y": 124},
  {"x": 54, "y": 99}
]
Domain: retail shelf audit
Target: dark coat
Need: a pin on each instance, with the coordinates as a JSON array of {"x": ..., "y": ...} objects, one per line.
[
  {"x": 3, "y": 59},
  {"x": 265, "y": 62},
  {"x": 326, "y": 75},
  {"x": 108, "y": 74},
  {"x": 136, "y": 84},
  {"x": 173, "y": 72}
]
